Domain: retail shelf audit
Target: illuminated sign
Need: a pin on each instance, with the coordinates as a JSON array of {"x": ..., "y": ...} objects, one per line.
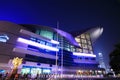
[{"x": 4, "y": 38}]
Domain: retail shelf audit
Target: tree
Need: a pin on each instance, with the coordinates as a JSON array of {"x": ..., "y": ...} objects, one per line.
[{"x": 115, "y": 59}]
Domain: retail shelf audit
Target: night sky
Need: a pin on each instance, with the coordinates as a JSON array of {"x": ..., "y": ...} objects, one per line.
[{"x": 72, "y": 15}]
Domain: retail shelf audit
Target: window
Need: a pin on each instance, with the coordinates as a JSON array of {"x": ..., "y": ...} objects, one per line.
[
  {"x": 48, "y": 44},
  {"x": 33, "y": 39},
  {"x": 42, "y": 42},
  {"x": 91, "y": 52},
  {"x": 85, "y": 51},
  {"x": 25, "y": 70},
  {"x": 73, "y": 49},
  {"x": 79, "y": 44},
  {"x": 46, "y": 34},
  {"x": 79, "y": 50},
  {"x": 89, "y": 42},
  {"x": 82, "y": 35},
  {"x": 87, "y": 36},
  {"x": 68, "y": 49},
  {"x": 38, "y": 32},
  {"x": 84, "y": 41},
  {"x": 77, "y": 39},
  {"x": 90, "y": 47},
  {"x": 84, "y": 45}
]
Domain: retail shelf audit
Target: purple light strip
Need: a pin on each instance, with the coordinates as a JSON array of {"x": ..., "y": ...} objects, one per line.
[
  {"x": 83, "y": 54},
  {"x": 37, "y": 44},
  {"x": 55, "y": 42}
]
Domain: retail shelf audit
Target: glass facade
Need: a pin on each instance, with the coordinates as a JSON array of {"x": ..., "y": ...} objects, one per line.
[
  {"x": 35, "y": 70},
  {"x": 68, "y": 48},
  {"x": 53, "y": 35},
  {"x": 84, "y": 42},
  {"x": 38, "y": 45},
  {"x": 45, "y": 33}
]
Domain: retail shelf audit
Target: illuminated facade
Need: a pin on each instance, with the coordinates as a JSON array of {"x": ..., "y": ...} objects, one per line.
[
  {"x": 38, "y": 45},
  {"x": 101, "y": 61}
]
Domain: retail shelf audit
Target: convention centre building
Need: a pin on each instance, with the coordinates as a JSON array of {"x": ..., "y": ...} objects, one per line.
[{"x": 48, "y": 50}]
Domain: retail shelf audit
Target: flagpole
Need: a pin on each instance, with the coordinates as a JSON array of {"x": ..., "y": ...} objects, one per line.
[
  {"x": 62, "y": 57},
  {"x": 56, "y": 62}
]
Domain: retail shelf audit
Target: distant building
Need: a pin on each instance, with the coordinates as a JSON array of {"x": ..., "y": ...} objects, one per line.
[
  {"x": 38, "y": 45},
  {"x": 101, "y": 61}
]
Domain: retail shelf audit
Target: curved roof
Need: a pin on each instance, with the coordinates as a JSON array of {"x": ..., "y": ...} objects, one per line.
[
  {"x": 94, "y": 32},
  {"x": 68, "y": 36}
]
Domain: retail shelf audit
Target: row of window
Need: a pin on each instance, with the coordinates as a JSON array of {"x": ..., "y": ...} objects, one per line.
[
  {"x": 83, "y": 40},
  {"x": 85, "y": 36},
  {"x": 81, "y": 58},
  {"x": 84, "y": 51},
  {"x": 45, "y": 33},
  {"x": 85, "y": 43},
  {"x": 42, "y": 42}
]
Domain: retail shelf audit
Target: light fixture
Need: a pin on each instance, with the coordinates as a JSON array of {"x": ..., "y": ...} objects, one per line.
[
  {"x": 83, "y": 54},
  {"x": 55, "y": 42}
]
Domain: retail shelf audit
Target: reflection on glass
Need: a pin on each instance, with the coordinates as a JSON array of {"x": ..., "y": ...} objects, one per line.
[
  {"x": 83, "y": 41},
  {"x": 91, "y": 52},
  {"x": 38, "y": 32},
  {"x": 35, "y": 70},
  {"x": 72, "y": 48},
  {"x": 79, "y": 44},
  {"x": 47, "y": 34},
  {"x": 87, "y": 36},
  {"x": 89, "y": 42},
  {"x": 90, "y": 47},
  {"x": 85, "y": 51},
  {"x": 79, "y": 50},
  {"x": 84, "y": 45},
  {"x": 77, "y": 39}
]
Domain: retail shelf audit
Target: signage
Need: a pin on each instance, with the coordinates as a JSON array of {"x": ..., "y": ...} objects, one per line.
[{"x": 4, "y": 38}]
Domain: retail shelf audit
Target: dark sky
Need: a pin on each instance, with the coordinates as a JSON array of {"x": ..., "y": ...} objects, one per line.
[{"x": 71, "y": 14}]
